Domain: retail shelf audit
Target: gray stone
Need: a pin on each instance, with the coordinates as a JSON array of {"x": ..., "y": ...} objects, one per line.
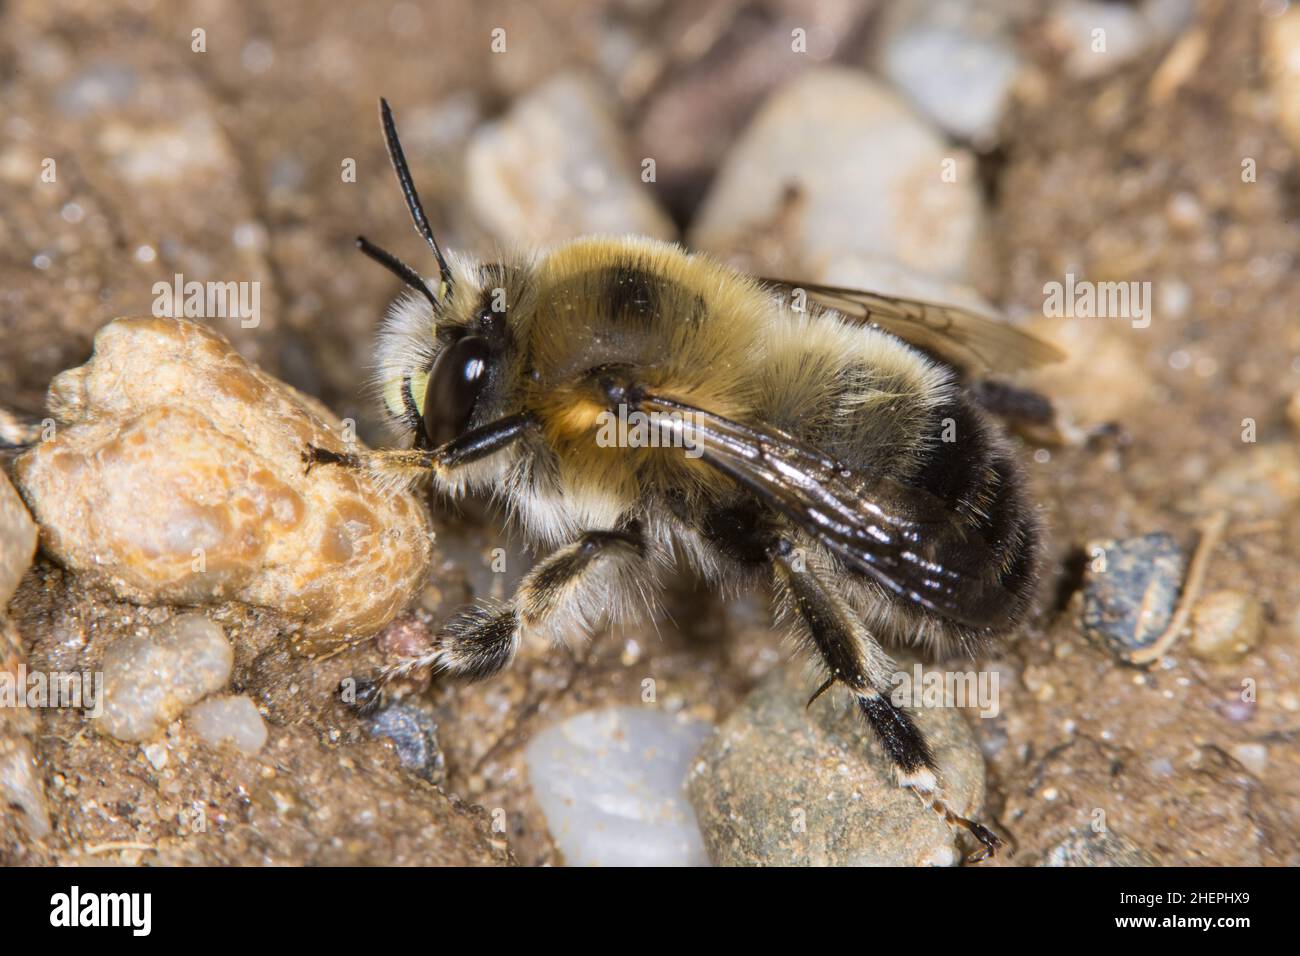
[
  {"x": 1130, "y": 590},
  {"x": 415, "y": 738},
  {"x": 1098, "y": 37},
  {"x": 20, "y": 783},
  {"x": 1086, "y": 847},
  {"x": 782, "y": 785},
  {"x": 556, "y": 167},
  {"x": 868, "y": 177},
  {"x": 890, "y": 278},
  {"x": 955, "y": 60},
  {"x": 17, "y": 540}
]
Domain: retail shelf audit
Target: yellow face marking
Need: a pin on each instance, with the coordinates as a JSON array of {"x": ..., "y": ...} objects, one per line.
[
  {"x": 393, "y": 401},
  {"x": 419, "y": 386}
]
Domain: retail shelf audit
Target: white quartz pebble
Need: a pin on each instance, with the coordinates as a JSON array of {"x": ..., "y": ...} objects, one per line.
[
  {"x": 228, "y": 719},
  {"x": 610, "y": 784}
]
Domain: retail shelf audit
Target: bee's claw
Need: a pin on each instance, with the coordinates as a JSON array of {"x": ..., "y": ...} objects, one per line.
[
  {"x": 989, "y": 840},
  {"x": 315, "y": 455},
  {"x": 364, "y": 696}
]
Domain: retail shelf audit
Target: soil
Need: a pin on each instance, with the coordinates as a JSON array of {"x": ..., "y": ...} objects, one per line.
[{"x": 1101, "y": 178}]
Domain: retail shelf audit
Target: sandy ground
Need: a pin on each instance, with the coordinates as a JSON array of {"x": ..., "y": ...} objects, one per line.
[{"x": 1110, "y": 178}]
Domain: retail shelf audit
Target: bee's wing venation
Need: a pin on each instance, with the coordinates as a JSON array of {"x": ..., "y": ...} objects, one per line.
[
  {"x": 903, "y": 538},
  {"x": 968, "y": 340}
]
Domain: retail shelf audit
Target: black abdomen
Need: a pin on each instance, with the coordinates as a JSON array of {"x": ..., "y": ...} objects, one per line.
[{"x": 971, "y": 469}]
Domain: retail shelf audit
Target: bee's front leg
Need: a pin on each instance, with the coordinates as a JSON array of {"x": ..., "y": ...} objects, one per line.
[{"x": 403, "y": 465}]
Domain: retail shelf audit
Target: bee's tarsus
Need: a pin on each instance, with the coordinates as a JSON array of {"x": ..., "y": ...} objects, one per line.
[
  {"x": 367, "y": 695},
  {"x": 315, "y": 455},
  {"x": 990, "y": 843}
]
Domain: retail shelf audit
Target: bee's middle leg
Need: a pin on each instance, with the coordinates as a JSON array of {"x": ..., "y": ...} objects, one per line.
[{"x": 571, "y": 589}]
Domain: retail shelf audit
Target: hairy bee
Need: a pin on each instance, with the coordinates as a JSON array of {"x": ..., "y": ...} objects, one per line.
[{"x": 801, "y": 446}]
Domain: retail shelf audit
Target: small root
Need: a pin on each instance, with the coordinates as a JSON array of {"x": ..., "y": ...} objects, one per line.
[{"x": 1211, "y": 531}]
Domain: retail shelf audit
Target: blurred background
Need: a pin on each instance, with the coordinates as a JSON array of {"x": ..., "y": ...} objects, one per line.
[{"x": 964, "y": 151}]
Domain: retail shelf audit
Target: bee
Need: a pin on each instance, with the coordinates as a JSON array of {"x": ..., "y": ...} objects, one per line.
[{"x": 817, "y": 440}]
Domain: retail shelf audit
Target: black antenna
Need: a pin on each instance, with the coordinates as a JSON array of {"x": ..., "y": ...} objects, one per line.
[
  {"x": 398, "y": 159},
  {"x": 400, "y": 269}
]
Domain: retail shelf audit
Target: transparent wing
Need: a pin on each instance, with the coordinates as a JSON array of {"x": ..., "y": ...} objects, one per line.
[
  {"x": 966, "y": 339},
  {"x": 903, "y": 538}
]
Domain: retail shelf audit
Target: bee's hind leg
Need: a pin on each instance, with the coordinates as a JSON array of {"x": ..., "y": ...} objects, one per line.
[
  {"x": 570, "y": 590},
  {"x": 853, "y": 658}
]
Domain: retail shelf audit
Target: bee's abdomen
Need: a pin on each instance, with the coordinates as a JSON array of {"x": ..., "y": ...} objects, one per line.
[{"x": 972, "y": 470}]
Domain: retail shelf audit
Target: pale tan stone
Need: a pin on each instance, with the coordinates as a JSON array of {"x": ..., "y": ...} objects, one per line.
[{"x": 176, "y": 475}]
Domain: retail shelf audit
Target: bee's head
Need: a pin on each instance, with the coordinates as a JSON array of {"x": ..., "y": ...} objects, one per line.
[{"x": 443, "y": 349}]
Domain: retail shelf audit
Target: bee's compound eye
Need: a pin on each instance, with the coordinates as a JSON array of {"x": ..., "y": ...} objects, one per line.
[{"x": 455, "y": 381}]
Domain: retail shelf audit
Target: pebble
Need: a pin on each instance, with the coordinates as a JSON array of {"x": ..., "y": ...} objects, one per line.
[
  {"x": 150, "y": 680},
  {"x": 17, "y": 540},
  {"x": 1254, "y": 757},
  {"x": 556, "y": 167},
  {"x": 1261, "y": 481},
  {"x": 868, "y": 175},
  {"x": 1086, "y": 847},
  {"x": 20, "y": 784},
  {"x": 228, "y": 720},
  {"x": 1095, "y": 37},
  {"x": 1225, "y": 625},
  {"x": 891, "y": 278},
  {"x": 176, "y": 476},
  {"x": 415, "y": 738},
  {"x": 610, "y": 785},
  {"x": 1130, "y": 590},
  {"x": 955, "y": 60},
  {"x": 782, "y": 785},
  {"x": 157, "y": 754},
  {"x": 1102, "y": 378},
  {"x": 1280, "y": 40},
  {"x": 102, "y": 86}
]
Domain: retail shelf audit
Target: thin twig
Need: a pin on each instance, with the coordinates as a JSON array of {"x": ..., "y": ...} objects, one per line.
[
  {"x": 113, "y": 846},
  {"x": 1211, "y": 531}
]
